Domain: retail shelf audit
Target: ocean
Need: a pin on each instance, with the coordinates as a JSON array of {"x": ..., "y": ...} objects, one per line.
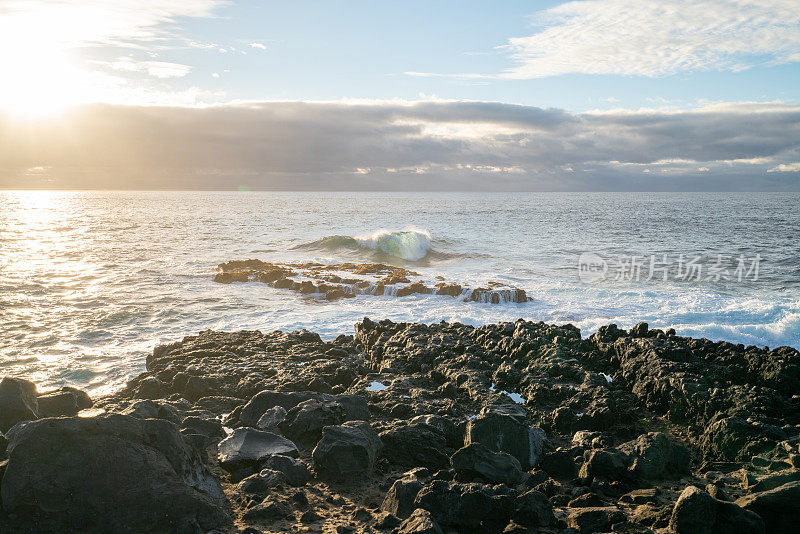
[{"x": 90, "y": 282}]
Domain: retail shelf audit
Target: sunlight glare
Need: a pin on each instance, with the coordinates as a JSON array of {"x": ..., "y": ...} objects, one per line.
[{"x": 40, "y": 75}]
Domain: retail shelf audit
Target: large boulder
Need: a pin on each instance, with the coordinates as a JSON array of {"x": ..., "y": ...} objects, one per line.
[
  {"x": 295, "y": 471},
  {"x": 303, "y": 423},
  {"x": 355, "y": 406},
  {"x": 415, "y": 445},
  {"x": 655, "y": 456},
  {"x": 737, "y": 439},
  {"x": 66, "y": 401},
  {"x": 533, "y": 509},
  {"x": 467, "y": 506},
  {"x": 345, "y": 450},
  {"x": 779, "y": 507},
  {"x": 476, "y": 459},
  {"x": 261, "y": 482},
  {"x": 114, "y": 473},
  {"x": 248, "y": 447},
  {"x": 399, "y": 500},
  {"x": 503, "y": 433},
  {"x": 18, "y": 402},
  {"x": 148, "y": 409},
  {"x": 420, "y": 522},
  {"x": 697, "y": 512},
  {"x": 271, "y": 419},
  {"x": 606, "y": 463}
]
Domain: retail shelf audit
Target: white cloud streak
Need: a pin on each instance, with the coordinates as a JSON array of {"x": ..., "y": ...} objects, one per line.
[
  {"x": 157, "y": 69},
  {"x": 786, "y": 167},
  {"x": 101, "y": 22},
  {"x": 657, "y": 38}
]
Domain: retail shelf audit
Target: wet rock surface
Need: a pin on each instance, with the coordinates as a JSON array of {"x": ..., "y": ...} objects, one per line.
[
  {"x": 346, "y": 280},
  {"x": 510, "y": 427}
]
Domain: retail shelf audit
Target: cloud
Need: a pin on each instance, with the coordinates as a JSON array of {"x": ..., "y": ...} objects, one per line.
[
  {"x": 258, "y": 45},
  {"x": 157, "y": 69},
  {"x": 649, "y": 38},
  {"x": 397, "y": 145},
  {"x": 130, "y": 23},
  {"x": 54, "y": 53},
  {"x": 786, "y": 167}
]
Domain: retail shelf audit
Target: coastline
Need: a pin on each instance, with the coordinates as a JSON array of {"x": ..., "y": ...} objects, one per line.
[{"x": 504, "y": 427}]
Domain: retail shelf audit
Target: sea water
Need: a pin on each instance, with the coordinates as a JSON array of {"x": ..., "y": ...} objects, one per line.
[{"x": 90, "y": 282}]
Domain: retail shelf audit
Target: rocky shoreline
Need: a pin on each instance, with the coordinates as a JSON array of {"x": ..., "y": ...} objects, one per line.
[{"x": 411, "y": 428}]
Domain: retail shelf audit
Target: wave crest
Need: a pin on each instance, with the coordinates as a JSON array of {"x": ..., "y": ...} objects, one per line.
[{"x": 411, "y": 244}]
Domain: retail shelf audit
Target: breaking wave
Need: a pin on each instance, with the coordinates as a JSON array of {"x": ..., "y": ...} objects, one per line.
[{"x": 411, "y": 244}]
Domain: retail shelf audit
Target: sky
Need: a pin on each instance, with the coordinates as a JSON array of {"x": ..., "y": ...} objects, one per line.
[{"x": 376, "y": 95}]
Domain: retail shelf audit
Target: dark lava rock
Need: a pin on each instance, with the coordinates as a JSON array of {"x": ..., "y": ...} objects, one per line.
[
  {"x": 116, "y": 473},
  {"x": 303, "y": 423},
  {"x": 271, "y": 419},
  {"x": 149, "y": 388},
  {"x": 415, "y": 444},
  {"x": 66, "y": 401},
  {"x": 269, "y": 509},
  {"x": 262, "y": 482},
  {"x": 598, "y": 519},
  {"x": 476, "y": 459},
  {"x": 399, "y": 500},
  {"x": 248, "y": 447},
  {"x": 656, "y": 456},
  {"x": 354, "y": 406},
  {"x": 697, "y": 512},
  {"x": 361, "y": 515},
  {"x": 18, "y": 402},
  {"x": 533, "y": 509},
  {"x": 205, "y": 427},
  {"x": 148, "y": 409},
  {"x": 558, "y": 464},
  {"x": 310, "y": 516},
  {"x": 607, "y": 463},
  {"x": 346, "y": 450},
  {"x": 652, "y": 516},
  {"x": 587, "y": 500},
  {"x": 263, "y": 401},
  {"x": 504, "y": 433},
  {"x": 386, "y": 520},
  {"x": 734, "y": 438},
  {"x": 296, "y": 471},
  {"x": 779, "y": 507},
  {"x": 467, "y": 506},
  {"x": 420, "y": 522}
]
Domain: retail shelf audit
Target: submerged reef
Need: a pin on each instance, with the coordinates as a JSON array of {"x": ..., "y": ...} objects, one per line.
[{"x": 412, "y": 428}]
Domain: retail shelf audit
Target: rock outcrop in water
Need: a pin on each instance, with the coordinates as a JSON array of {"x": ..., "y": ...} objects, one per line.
[
  {"x": 346, "y": 280},
  {"x": 510, "y": 427}
]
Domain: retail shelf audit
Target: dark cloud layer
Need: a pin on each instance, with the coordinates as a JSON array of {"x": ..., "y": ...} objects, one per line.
[{"x": 404, "y": 146}]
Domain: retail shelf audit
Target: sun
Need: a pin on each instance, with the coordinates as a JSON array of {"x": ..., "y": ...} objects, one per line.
[{"x": 38, "y": 74}]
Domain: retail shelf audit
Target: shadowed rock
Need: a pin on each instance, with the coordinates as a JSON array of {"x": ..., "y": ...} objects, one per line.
[
  {"x": 346, "y": 450},
  {"x": 18, "y": 402},
  {"x": 697, "y": 512},
  {"x": 115, "y": 472}
]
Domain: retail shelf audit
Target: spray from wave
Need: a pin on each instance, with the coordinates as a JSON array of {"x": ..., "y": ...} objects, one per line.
[{"x": 411, "y": 244}]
